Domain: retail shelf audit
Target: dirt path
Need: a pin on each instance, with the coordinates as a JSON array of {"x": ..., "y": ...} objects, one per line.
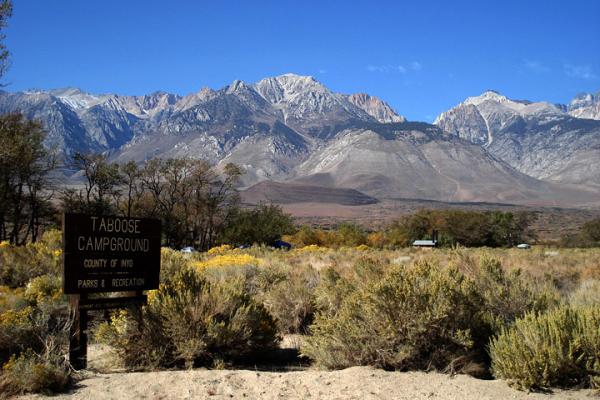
[{"x": 352, "y": 383}]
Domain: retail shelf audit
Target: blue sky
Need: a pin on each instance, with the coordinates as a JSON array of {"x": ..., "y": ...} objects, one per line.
[{"x": 422, "y": 57}]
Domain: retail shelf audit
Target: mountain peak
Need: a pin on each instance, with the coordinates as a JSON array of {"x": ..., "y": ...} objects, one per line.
[
  {"x": 290, "y": 75},
  {"x": 236, "y": 86},
  {"x": 67, "y": 91},
  {"x": 488, "y": 95},
  {"x": 585, "y": 105},
  {"x": 291, "y": 88}
]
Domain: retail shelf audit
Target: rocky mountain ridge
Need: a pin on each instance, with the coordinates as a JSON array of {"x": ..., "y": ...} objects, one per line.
[
  {"x": 293, "y": 129},
  {"x": 546, "y": 141}
]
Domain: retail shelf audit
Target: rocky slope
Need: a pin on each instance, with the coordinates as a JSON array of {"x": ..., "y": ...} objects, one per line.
[
  {"x": 375, "y": 107},
  {"x": 540, "y": 139}
]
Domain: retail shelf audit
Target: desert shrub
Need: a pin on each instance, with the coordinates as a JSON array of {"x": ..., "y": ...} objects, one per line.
[
  {"x": 193, "y": 321},
  {"x": 508, "y": 295},
  {"x": 291, "y": 299},
  {"x": 11, "y": 298},
  {"x": 34, "y": 338},
  {"x": 558, "y": 348},
  {"x": 331, "y": 292},
  {"x": 411, "y": 317},
  {"x": 588, "y": 293},
  {"x": 44, "y": 289},
  {"x": 32, "y": 373},
  {"x": 19, "y": 264},
  {"x": 171, "y": 262},
  {"x": 17, "y": 332},
  {"x": 34, "y": 318}
]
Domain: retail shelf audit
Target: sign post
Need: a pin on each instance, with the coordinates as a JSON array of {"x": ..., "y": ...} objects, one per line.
[{"x": 103, "y": 254}]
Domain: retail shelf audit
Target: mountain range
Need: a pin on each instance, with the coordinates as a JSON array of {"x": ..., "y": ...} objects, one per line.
[
  {"x": 552, "y": 142},
  {"x": 292, "y": 130}
]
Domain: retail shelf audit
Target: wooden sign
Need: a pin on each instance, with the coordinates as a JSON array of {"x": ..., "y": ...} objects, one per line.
[
  {"x": 106, "y": 254},
  {"x": 110, "y": 254}
]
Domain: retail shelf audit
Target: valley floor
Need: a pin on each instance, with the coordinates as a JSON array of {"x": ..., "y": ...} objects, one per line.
[{"x": 351, "y": 383}]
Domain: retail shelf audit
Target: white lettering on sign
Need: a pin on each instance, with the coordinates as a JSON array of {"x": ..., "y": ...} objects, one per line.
[
  {"x": 103, "y": 243},
  {"x": 116, "y": 225},
  {"x": 119, "y": 282}
]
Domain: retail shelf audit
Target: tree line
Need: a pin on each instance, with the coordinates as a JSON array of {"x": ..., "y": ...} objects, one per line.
[{"x": 455, "y": 227}]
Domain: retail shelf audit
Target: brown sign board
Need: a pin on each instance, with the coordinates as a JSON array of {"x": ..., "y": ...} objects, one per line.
[{"x": 110, "y": 254}]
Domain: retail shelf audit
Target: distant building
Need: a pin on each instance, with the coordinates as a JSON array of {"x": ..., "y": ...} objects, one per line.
[
  {"x": 427, "y": 243},
  {"x": 424, "y": 243}
]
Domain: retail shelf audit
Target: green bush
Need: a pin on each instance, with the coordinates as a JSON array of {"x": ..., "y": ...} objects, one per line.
[
  {"x": 192, "y": 321},
  {"x": 417, "y": 317},
  {"x": 559, "y": 348}
]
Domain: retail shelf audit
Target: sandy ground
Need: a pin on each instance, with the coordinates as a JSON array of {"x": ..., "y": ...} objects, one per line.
[{"x": 351, "y": 383}]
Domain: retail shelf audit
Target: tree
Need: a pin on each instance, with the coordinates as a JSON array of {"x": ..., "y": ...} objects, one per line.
[
  {"x": 193, "y": 200},
  {"x": 221, "y": 201},
  {"x": 24, "y": 183},
  {"x": 591, "y": 231},
  {"x": 349, "y": 234},
  {"x": 102, "y": 182},
  {"x": 130, "y": 178},
  {"x": 5, "y": 13},
  {"x": 261, "y": 225}
]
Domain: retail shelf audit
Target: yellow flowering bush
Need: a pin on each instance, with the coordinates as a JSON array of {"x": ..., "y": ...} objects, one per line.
[
  {"x": 224, "y": 248},
  {"x": 17, "y": 332},
  {"x": 16, "y": 318},
  {"x": 44, "y": 289},
  {"x": 311, "y": 248},
  {"x": 108, "y": 331},
  {"x": 225, "y": 260}
]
